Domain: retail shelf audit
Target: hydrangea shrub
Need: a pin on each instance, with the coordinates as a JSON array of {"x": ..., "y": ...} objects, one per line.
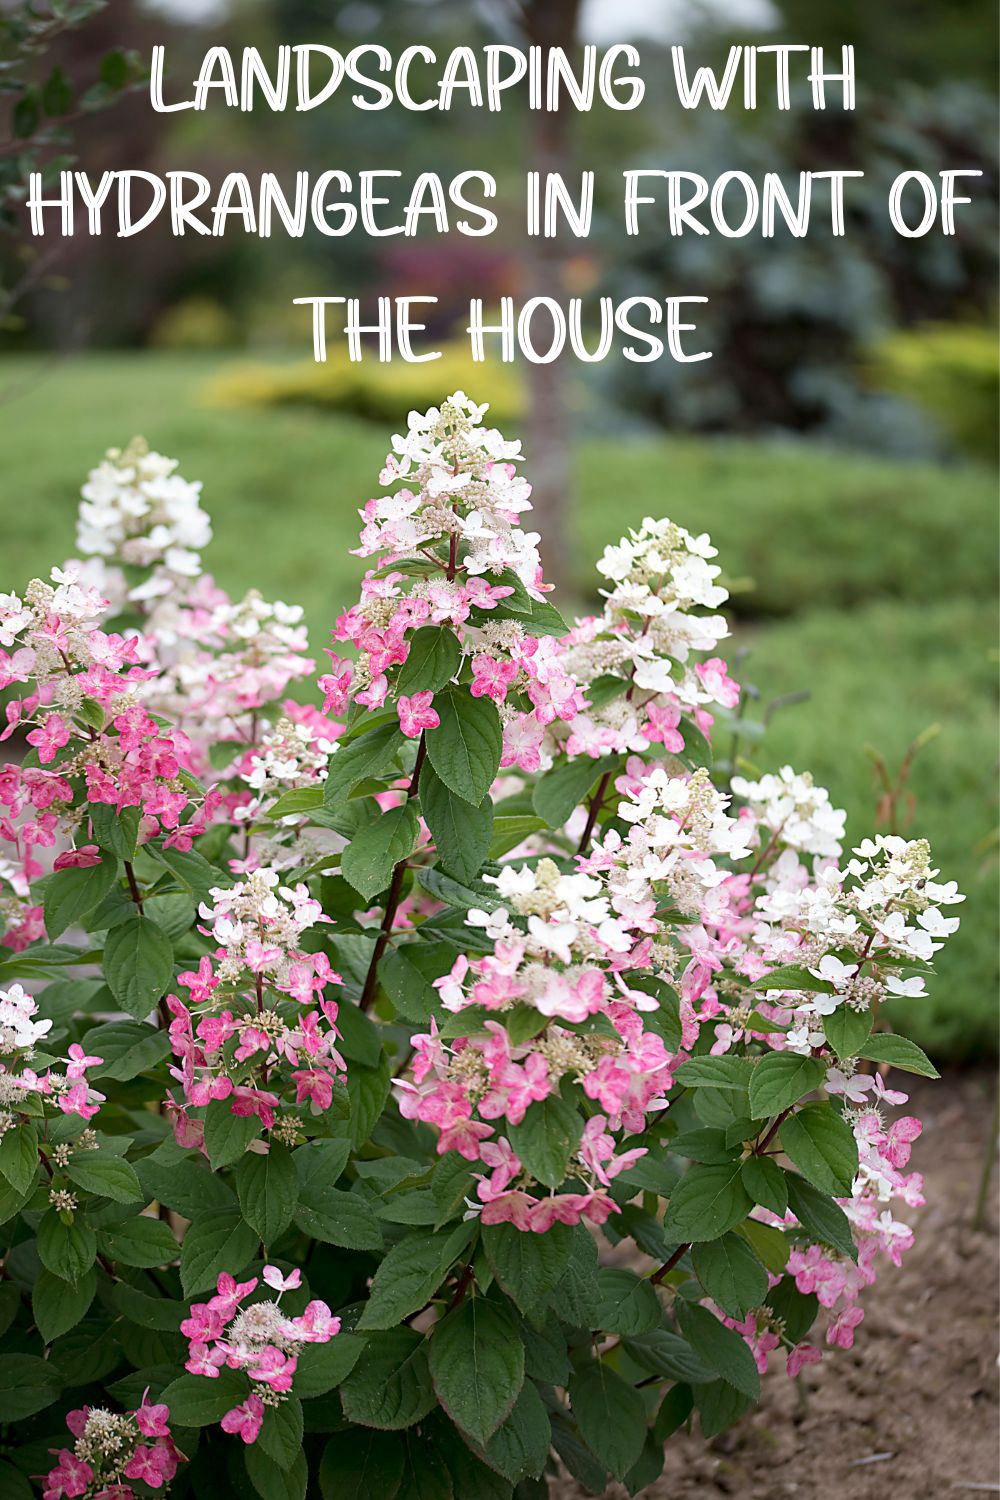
[{"x": 405, "y": 1094}]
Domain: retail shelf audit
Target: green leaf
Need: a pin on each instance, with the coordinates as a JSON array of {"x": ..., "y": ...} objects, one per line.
[
  {"x": 138, "y": 964},
  {"x": 725, "y": 1072},
  {"x": 565, "y": 787},
  {"x": 520, "y": 1446},
  {"x": 67, "y": 1250},
  {"x": 770, "y": 1245},
  {"x": 899, "y": 1052},
  {"x": 113, "y": 71},
  {"x": 71, "y": 894},
  {"x": 666, "y": 1020},
  {"x": 337, "y": 1218},
  {"x": 128, "y": 1048},
  {"x": 192, "y": 870},
  {"x": 161, "y": 1313},
  {"x": 391, "y": 1387},
  {"x": 796, "y": 1310},
  {"x": 611, "y": 1416},
  {"x": 780, "y": 1080},
  {"x": 721, "y": 1348},
  {"x": 19, "y": 1155},
  {"x": 466, "y": 746},
  {"x": 361, "y": 1464},
  {"x": 707, "y": 1145},
  {"x": 731, "y": 1274},
  {"x": 706, "y": 1203},
  {"x": 435, "y": 657},
  {"x": 511, "y": 830},
  {"x": 407, "y": 986},
  {"x": 675, "y": 1408},
  {"x": 792, "y": 977},
  {"x": 765, "y": 1182},
  {"x": 57, "y": 1305},
  {"x": 546, "y": 1139},
  {"x": 27, "y": 1385},
  {"x": 408, "y": 1277},
  {"x": 575, "y": 1297},
  {"x": 13, "y": 1485},
  {"x": 477, "y": 1366},
  {"x": 197, "y": 1402},
  {"x": 820, "y": 1216},
  {"x": 376, "y": 849},
  {"x": 281, "y": 1431},
  {"x": 527, "y": 1266},
  {"x": 847, "y": 1030},
  {"x": 107, "y": 1175},
  {"x": 116, "y": 832},
  {"x": 182, "y": 1184},
  {"x": 719, "y": 1406},
  {"x": 270, "y": 1480},
  {"x": 268, "y": 1189},
  {"x": 370, "y": 756},
  {"x": 141, "y": 1241},
  {"x": 227, "y": 1136},
  {"x": 461, "y": 832},
  {"x": 627, "y": 1303},
  {"x": 322, "y": 1367},
  {"x": 220, "y": 1241},
  {"x": 667, "y": 1354},
  {"x": 821, "y": 1144}
]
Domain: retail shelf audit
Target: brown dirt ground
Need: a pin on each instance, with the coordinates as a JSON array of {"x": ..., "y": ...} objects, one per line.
[{"x": 911, "y": 1412}]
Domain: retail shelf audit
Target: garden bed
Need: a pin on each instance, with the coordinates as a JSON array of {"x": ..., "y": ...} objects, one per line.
[{"x": 912, "y": 1412}]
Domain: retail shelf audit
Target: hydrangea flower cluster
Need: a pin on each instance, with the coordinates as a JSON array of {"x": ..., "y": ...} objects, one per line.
[
  {"x": 111, "y": 1449},
  {"x": 260, "y": 1339},
  {"x": 434, "y": 990},
  {"x": 239, "y": 1038}
]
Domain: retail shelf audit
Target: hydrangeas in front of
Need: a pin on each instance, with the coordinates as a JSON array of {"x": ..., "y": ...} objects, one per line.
[{"x": 340, "y": 1043}]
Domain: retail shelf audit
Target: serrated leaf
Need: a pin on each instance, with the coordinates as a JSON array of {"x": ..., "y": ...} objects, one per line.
[
  {"x": 527, "y": 1266},
  {"x": 465, "y": 748},
  {"x": 546, "y": 1139},
  {"x": 765, "y": 1182},
  {"x": 461, "y": 832},
  {"x": 142, "y": 1242},
  {"x": 847, "y": 1030},
  {"x": 477, "y": 1366},
  {"x": 71, "y": 894},
  {"x": 268, "y": 1189},
  {"x": 197, "y": 1402},
  {"x": 610, "y": 1414},
  {"x": 627, "y": 1304},
  {"x": 731, "y": 1274},
  {"x": 391, "y": 1387},
  {"x": 361, "y": 1464},
  {"x": 899, "y": 1052},
  {"x": 821, "y": 1144},
  {"x": 107, "y": 1175},
  {"x": 281, "y": 1431},
  {"x": 127, "y": 1048},
  {"x": 219, "y": 1241},
  {"x": 781, "y": 1079},
  {"x": 376, "y": 849},
  {"x": 270, "y": 1480},
  {"x": 406, "y": 1280},
  {"x": 138, "y": 964},
  {"x": 19, "y": 1155},
  {"x": 227, "y": 1136},
  {"x": 67, "y": 1250},
  {"x": 520, "y": 1446},
  {"x": 721, "y": 1348},
  {"x": 322, "y": 1367},
  {"x": 820, "y": 1216},
  {"x": 57, "y": 1305},
  {"x": 725, "y": 1072},
  {"x": 434, "y": 658},
  {"x": 706, "y": 1203},
  {"x": 370, "y": 756},
  {"x": 562, "y": 789},
  {"x": 27, "y": 1385},
  {"x": 337, "y": 1218}
]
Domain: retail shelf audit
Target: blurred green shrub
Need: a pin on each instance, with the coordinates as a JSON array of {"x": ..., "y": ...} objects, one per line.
[
  {"x": 952, "y": 371},
  {"x": 367, "y": 388},
  {"x": 194, "y": 323}
]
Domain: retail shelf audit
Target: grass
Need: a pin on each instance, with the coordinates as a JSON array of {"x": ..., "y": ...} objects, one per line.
[{"x": 872, "y": 581}]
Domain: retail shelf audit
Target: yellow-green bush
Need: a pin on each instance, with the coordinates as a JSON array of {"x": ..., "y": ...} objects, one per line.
[
  {"x": 367, "y": 388},
  {"x": 952, "y": 371},
  {"x": 194, "y": 323}
]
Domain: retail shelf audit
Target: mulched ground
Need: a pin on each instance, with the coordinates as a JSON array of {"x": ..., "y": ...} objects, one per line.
[{"x": 912, "y": 1410}]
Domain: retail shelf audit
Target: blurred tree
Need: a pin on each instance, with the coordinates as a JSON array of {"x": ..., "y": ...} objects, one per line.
[{"x": 47, "y": 100}]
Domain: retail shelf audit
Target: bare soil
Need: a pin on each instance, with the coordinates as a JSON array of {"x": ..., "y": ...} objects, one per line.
[{"x": 912, "y": 1410}]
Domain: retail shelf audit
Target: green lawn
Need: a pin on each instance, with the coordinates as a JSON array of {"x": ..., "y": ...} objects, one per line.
[{"x": 872, "y": 582}]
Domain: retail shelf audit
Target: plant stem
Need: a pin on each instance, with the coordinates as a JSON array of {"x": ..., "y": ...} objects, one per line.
[
  {"x": 133, "y": 886},
  {"x": 392, "y": 900},
  {"x": 668, "y": 1265},
  {"x": 462, "y": 1288},
  {"x": 596, "y": 802}
]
